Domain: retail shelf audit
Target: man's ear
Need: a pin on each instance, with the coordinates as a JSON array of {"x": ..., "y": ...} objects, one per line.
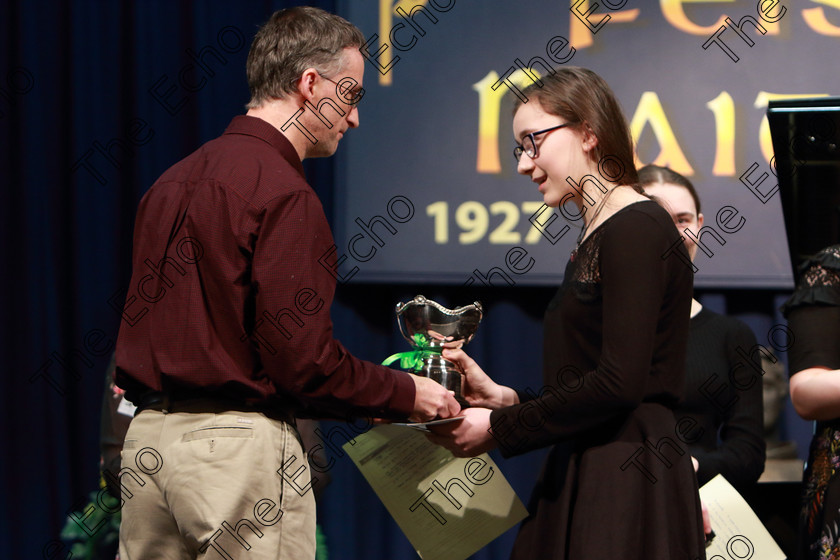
[
  {"x": 306, "y": 83},
  {"x": 699, "y": 221}
]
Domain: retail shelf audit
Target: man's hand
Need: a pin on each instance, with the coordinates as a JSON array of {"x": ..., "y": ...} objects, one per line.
[
  {"x": 468, "y": 437},
  {"x": 432, "y": 400}
]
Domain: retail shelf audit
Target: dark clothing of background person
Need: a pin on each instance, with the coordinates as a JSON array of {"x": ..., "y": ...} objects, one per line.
[
  {"x": 813, "y": 314},
  {"x": 614, "y": 361},
  {"x": 112, "y": 429},
  {"x": 233, "y": 246},
  {"x": 725, "y": 403}
]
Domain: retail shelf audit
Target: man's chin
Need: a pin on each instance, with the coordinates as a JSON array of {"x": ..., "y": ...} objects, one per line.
[{"x": 323, "y": 150}]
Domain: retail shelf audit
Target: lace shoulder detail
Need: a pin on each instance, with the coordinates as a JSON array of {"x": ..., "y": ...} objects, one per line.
[
  {"x": 819, "y": 282},
  {"x": 585, "y": 278}
]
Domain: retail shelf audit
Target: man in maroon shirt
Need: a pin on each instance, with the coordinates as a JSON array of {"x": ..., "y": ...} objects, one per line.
[{"x": 226, "y": 332}]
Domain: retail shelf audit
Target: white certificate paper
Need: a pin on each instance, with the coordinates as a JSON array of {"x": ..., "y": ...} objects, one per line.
[
  {"x": 738, "y": 531},
  {"x": 448, "y": 507}
]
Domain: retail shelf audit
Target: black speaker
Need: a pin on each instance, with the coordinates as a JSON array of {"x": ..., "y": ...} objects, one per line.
[{"x": 806, "y": 142}]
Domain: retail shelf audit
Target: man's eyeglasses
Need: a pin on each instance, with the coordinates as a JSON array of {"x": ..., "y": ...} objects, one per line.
[
  {"x": 349, "y": 96},
  {"x": 529, "y": 143}
]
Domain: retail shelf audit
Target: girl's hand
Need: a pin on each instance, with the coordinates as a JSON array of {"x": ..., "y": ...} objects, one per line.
[
  {"x": 479, "y": 390},
  {"x": 468, "y": 437}
]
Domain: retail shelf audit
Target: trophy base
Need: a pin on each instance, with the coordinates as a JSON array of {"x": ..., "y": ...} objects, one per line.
[{"x": 439, "y": 369}]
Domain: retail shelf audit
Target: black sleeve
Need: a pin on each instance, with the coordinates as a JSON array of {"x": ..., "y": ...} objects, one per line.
[
  {"x": 816, "y": 331},
  {"x": 633, "y": 284},
  {"x": 813, "y": 313},
  {"x": 741, "y": 453}
]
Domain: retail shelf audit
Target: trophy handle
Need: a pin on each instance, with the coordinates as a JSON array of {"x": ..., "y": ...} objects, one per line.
[{"x": 402, "y": 331}]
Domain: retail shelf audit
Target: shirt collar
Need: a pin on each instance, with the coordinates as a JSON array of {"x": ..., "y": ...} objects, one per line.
[{"x": 258, "y": 128}]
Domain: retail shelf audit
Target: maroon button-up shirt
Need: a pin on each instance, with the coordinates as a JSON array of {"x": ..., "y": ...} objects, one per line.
[{"x": 227, "y": 294}]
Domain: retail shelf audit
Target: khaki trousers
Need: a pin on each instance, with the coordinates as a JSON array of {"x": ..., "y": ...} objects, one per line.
[{"x": 215, "y": 484}]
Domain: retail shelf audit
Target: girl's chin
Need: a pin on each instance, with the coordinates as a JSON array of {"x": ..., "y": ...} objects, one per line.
[{"x": 551, "y": 201}]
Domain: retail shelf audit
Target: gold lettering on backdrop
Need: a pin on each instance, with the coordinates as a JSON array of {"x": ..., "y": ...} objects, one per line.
[
  {"x": 440, "y": 211},
  {"x": 474, "y": 221},
  {"x": 650, "y": 111},
  {"x": 387, "y": 11},
  {"x": 386, "y": 16},
  {"x": 724, "y": 110},
  {"x": 579, "y": 35},
  {"x": 489, "y": 113},
  {"x": 676, "y": 16},
  {"x": 761, "y": 100},
  {"x": 816, "y": 20}
]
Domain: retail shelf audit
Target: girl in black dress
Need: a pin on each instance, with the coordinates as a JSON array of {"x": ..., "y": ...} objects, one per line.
[
  {"x": 618, "y": 482},
  {"x": 728, "y": 435},
  {"x": 813, "y": 314}
]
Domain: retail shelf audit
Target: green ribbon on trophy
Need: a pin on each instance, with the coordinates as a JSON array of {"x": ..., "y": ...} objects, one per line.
[{"x": 413, "y": 360}]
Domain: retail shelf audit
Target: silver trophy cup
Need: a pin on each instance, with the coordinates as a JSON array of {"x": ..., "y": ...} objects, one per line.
[{"x": 429, "y": 328}]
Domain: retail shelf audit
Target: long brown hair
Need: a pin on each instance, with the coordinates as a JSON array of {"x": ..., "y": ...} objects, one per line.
[{"x": 582, "y": 97}]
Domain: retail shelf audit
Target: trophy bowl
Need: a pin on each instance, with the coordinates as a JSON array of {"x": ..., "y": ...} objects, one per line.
[{"x": 429, "y": 328}]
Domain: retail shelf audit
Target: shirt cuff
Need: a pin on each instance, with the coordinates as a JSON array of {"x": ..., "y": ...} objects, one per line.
[
  {"x": 402, "y": 398},
  {"x": 523, "y": 396},
  {"x": 506, "y": 432}
]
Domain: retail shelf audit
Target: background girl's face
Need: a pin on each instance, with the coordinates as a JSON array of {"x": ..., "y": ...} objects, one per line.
[
  {"x": 677, "y": 200},
  {"x": 561, "y": 153}
]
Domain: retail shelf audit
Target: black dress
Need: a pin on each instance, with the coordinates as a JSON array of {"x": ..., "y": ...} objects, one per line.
[
  {"x": 618, "y": 482},
  {"x": 813, "y": 314},
  {"x": 727, "y": 409}
]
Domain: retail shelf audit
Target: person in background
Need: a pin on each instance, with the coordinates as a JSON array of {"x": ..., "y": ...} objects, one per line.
[
  {"x": 727, "y": 437},
  {"x": 813, "y": 313}
]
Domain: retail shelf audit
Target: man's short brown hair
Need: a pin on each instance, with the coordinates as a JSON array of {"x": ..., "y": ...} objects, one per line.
[{"x": 291, "y": 41}]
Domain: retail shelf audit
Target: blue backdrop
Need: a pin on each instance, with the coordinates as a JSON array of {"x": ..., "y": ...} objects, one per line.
[{"x": 96, "y": 100}]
